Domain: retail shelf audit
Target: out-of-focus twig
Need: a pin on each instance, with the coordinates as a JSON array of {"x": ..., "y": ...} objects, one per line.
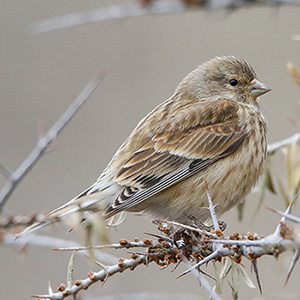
[
  {"x": 276, "y": 146},
  {"x": 123, "y": 244},
  {"x": 7, "y": 222},
  {"x": 44, "y": 142},
  {"x": 52, "y": 242},
  {"x": 145, "y": 7},
  {"x": 107, "y": 13}
]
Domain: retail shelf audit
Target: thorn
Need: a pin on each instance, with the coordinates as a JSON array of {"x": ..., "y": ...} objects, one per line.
[
  {"x": 288, "y": 216},
  {"x": 200, "y": 263},
  {"x": 293, "y": 263},
  {"x": 5, "y": 172},
  {"x": 185, "y": 260},
  {"x": 105, "y": 280},
  {"x": 98, "y": 263},
  {"x": 70, "y": 273},
  {"x": 293, "y": 201},
  {"x": 211, "y": 207},
  {"x": 41, "y": 128},
  {"x": 160, "y": 237},
  {"x": 254, "y": 264},
  {"x": 50, "y": 291},
  {"x": 283, "y": 219}
]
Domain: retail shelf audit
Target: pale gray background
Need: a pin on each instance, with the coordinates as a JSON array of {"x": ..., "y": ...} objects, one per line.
[{"x": 144, "y": 58}]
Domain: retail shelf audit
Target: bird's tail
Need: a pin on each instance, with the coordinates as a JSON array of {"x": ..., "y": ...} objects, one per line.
[{"x": 84, "y": 203}]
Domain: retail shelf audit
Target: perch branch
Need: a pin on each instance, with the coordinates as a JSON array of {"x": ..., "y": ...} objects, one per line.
[
  {"x": 191, "y": 246},
  {"x": 195, "y": 248}
]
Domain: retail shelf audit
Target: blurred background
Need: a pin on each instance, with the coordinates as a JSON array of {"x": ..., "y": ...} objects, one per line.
[{"x": 144, "y": 59}]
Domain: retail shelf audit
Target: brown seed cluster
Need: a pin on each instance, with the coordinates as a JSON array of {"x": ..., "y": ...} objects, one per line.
[
  {"x": 62, "y": 287},
  {"x": 286, "y": 232}
]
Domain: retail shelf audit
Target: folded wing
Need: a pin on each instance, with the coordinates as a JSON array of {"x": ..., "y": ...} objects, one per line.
[{"x": 178, "y": 152}]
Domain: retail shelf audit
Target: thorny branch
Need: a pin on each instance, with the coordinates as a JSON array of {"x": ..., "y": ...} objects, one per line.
[
  {"x": 93, "y": 277},
  {"x": 44, "y": 142},
  {"x": 178, "y": 244}
]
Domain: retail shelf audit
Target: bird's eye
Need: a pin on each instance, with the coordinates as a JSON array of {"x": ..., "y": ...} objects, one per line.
[{"x": 233, "y": 82}]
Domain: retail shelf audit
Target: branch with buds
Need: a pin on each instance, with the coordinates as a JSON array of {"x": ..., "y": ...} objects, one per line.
[{"x": 178, "y": 243}]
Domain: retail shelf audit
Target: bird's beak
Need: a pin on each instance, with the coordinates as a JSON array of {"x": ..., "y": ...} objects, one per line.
[{"x": 258, "y": 88}]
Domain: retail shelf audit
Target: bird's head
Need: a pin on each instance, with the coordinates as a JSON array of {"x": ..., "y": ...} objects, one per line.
[{"x": 223, "y": 77}]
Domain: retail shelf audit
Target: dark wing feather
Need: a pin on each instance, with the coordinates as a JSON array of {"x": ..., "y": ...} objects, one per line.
[{"x": 171, "y": 156}]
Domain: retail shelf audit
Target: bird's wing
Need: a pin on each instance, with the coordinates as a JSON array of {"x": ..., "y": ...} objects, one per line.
[{"x": 199, "y": 136}]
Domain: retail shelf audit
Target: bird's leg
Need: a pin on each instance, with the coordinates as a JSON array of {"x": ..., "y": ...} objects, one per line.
[
  {"x": 178, "y": 237},
  {"x": 202, "y": 226}
]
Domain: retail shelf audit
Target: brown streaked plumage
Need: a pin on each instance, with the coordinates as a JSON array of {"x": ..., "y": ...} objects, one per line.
[{"x": 211, "y": 128}]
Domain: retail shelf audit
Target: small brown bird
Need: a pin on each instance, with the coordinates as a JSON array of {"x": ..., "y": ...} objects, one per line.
[{"x": 212, "y": 129}]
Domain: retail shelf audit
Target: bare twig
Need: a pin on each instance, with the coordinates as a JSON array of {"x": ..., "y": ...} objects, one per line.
[
  {"x": 107, "y": 13},
  {"x": 276, "y": 146},
  {"x": 52, "y": 242},
  {"x": 123, "y": 244},
  {"x": 44, "y": 142}
]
